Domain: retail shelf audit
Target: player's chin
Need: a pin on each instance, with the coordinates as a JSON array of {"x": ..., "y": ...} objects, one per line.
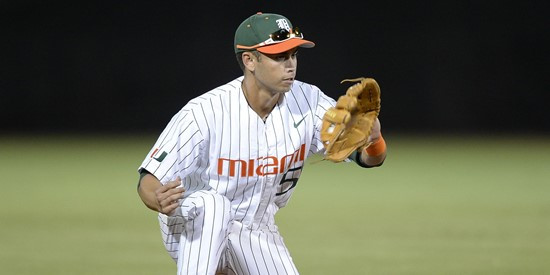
[
  {"x": 286, "y": 85},
  {"x": 284, "y": 90}
]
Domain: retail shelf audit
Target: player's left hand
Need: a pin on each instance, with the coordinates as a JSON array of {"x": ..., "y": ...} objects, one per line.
[{"x": 348, "y": 126}]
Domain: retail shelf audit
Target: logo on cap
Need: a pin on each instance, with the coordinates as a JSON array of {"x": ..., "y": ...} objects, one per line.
[{"x": 283, "y": 24}]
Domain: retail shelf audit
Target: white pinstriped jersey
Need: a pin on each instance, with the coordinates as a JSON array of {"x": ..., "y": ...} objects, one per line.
[
  {"x": 237, "y": 171},
  {"x": 217, "y": 141}
]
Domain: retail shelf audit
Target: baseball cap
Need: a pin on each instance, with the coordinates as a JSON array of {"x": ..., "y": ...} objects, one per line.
[{"x": 268, "y": 33}]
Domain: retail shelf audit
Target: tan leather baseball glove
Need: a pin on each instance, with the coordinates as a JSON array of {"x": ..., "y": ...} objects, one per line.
[{"x": 347, "y": 126}]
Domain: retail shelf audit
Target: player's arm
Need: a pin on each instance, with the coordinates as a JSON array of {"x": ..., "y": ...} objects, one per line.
[
  {"x": 375, "y": 154},
  {"x": 158, "y": 197}
]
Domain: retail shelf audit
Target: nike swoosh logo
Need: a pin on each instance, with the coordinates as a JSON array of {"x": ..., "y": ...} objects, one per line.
[{"x": 299, "y": 122}]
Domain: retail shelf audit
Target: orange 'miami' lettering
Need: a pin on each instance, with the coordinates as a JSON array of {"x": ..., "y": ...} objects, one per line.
[{"x": 273, "y": 166}]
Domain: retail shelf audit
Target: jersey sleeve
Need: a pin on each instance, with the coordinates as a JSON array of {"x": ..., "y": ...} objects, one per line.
[
  {"x": 324, "y": 102},
  {"x": 177, "y": 150}
]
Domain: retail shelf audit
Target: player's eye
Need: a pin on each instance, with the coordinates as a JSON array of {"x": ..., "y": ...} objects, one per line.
[{"x": 284, "y": 57}]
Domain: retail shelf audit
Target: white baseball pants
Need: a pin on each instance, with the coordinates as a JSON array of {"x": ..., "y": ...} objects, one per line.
[{"x": 203, "y": 239}]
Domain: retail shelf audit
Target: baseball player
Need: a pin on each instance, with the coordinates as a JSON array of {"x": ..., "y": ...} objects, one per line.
[{"x": 231, "y": 158}]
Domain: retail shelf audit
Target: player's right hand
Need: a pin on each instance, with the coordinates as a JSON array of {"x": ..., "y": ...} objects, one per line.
[{"x": 169, "y": 196}]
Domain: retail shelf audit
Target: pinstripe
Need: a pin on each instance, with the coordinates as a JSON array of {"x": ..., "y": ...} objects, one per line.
[
  {"x": 279, "y": 254},
  {"x": 289, "y": 137},
  {"x": 270, "y": 253},
  {"x": 230, "y": 147},
  {"x": 242, "y": 250},
  {"x": 285, "y": 253},
  {"x": 257, "y": 152},
  {"x": 221, "y": 148},
  {"x": 262, "y": 254},
  {"x": 167, "y": 171},
  {"x": 265, "y": 187},
  {"x": 317, "y": 115},
  {"x": 190, "y": 245},
  {"x": 238, "y": 119},
  {"x": 221, "y": 137},
  {"x": 252, "y": 251},
  {"x": 236, "y": 262},
  {"x": 201, "y": 239},
  {"x": 183, "y": 244},
  {"x": 215, "y": 127},
  {"x": 297, "y": 102},
  {"x": 277, "y": 153},
  {"x": 305, "y": 99},
  {"x": 211, "y": 236},
  {"x": 247, "y": 179},
  {"x": 207, "y": 164},
  {"x": 195, "y": 118},
  {"x": 221, "y": 245},
  {"x": 190, "y": 153}
]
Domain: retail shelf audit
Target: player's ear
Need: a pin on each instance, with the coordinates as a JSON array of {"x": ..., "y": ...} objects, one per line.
[{"x": 249, "y": 60}]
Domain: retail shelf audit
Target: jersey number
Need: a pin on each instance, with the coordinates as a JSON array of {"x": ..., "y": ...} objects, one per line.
[{"x": 288, "y": 183}]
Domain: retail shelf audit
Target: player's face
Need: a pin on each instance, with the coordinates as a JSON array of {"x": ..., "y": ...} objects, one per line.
[{"x": 277, "y": 72}]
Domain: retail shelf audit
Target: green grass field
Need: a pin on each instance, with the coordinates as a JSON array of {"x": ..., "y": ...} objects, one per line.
[{"x": 439, "y": 205}]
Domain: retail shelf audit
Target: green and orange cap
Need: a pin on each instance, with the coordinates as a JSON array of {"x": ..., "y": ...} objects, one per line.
[{"x": 268, "y": 33}]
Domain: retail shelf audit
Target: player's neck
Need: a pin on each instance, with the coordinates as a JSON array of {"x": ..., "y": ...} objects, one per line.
[{"x": 260, "y": 100}]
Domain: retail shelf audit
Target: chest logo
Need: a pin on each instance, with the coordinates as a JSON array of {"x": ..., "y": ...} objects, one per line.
[
  {"x": 296, "y": 124},
  {"x": 261, "y": 166}
]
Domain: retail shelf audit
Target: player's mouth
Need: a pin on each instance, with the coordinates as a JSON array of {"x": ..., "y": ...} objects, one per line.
[{"x": 288, "y": 80}]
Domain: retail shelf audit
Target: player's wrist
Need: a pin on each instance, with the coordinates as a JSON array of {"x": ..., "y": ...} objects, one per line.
[
  {"x": 372, "y": 156},
  {"x": 377, "y": 148}
]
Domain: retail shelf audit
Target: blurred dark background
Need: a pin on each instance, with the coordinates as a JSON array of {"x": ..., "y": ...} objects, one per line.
[{"x": 128, "y": 66}]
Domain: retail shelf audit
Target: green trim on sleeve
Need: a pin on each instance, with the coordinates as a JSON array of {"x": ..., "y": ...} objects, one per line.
[
  {"x": 354, "y": 156},
  {"x": 142, "y": 173}
]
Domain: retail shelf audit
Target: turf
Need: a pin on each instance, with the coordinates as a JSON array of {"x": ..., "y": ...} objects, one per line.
[{"x": 439, "y": 205}]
